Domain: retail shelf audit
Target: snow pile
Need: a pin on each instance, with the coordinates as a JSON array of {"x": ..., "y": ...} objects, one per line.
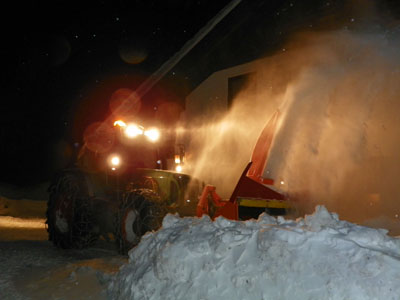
[{"x": 318, "y": 257}]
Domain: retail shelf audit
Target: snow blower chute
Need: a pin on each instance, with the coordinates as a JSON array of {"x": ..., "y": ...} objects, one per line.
[{"x": 253, "y": 194}]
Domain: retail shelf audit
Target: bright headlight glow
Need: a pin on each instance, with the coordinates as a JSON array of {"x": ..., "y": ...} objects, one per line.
[
  {"x": 115, "y": 161},
  {"x": 178, "y": 168},
  {"x": 133, "y": 130},
  {"x": 153, "y": 134}
]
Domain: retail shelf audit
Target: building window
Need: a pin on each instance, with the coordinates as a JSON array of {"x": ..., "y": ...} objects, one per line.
[{"x": 236, "y": 85}]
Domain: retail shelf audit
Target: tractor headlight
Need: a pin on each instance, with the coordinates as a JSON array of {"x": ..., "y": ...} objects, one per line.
[
  {"x": 114, "y": 162},
  {"x": 152, "y": 134},
  {"x": 133, "y": 130}
]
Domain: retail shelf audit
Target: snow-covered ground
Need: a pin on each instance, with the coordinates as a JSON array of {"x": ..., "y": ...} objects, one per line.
[
  {"x": 32, "y": 268},
  {"x": 316, "y": 257}
]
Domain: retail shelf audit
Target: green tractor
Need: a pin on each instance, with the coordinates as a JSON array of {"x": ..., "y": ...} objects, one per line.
[{"x": 118, "y": 193}]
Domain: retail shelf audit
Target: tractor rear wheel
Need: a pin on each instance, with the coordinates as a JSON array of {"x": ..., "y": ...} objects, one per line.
[
  {"x": 69, "y": 220},
  {"x": 141, "y": 211}
]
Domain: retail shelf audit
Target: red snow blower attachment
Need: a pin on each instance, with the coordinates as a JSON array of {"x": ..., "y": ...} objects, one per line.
[{"x": 253, "y": 194}]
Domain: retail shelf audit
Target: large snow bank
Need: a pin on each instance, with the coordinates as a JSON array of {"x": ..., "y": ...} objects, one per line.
[{"x": 318, "y": 257}]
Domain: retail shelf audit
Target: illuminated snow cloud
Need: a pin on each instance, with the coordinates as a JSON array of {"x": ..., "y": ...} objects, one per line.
[{"x": 318, "y": 257}]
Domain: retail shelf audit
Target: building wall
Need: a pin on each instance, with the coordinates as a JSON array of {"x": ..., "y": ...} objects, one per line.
[
  {"x": 210, "y": 98},
  {"x": 217, "y": 145}
]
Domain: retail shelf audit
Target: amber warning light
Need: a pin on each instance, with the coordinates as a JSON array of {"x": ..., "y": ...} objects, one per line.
[{"x": 120, "y": 123}]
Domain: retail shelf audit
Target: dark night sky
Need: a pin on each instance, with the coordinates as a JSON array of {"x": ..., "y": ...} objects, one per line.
[
  {"x": 60, "y": 55},
  {"x": 63, "y": 60}
]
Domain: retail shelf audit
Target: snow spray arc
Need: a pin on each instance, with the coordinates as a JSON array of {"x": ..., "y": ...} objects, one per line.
[{"x": 338, "y": 141}]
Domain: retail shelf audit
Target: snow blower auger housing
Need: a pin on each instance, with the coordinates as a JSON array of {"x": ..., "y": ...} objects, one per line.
[
  {"x": 118, "y": 194},
  {"x": 253, "y": 194}
]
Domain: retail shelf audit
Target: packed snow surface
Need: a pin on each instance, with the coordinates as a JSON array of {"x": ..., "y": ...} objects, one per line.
[{"x": 318, "y": 257}]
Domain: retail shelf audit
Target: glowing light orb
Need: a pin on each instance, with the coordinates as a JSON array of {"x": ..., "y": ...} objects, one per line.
[
  {"x": 115, "y": 161},
  {"x": 133, "y": 130},
  {"x": 153, "y": 134}
]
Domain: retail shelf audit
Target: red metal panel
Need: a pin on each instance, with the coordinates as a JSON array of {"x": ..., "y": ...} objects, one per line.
[
  {"x": 229, "y": 211},
  {"x": 251, "y": 184},
  {"x": 261, "y": 151},
  {"x": 247, "y": 187},
  {"x": 202, "y": 205}
]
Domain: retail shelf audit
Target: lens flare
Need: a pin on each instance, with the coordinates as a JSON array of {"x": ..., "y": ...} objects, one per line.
[
  {"x": 99, "y": 137},
  {"x": 133, "y": 130},
  {"x": 152, "y": 134},
  {"x": 125, "y": 102}
]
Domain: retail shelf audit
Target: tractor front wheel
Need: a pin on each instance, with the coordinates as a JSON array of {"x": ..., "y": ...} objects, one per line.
[
  {"x": 141, "y": 211},
  {"x": 69, "y": 221}
]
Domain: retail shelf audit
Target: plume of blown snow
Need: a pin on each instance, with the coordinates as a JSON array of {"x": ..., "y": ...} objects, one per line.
[{"x": 338, "y": 137}]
